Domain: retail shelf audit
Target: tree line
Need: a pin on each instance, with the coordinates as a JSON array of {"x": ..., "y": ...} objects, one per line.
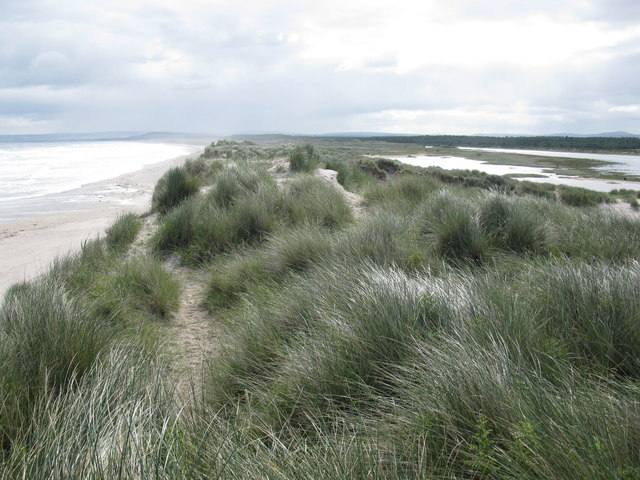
[{"x": 540, "y": 142}]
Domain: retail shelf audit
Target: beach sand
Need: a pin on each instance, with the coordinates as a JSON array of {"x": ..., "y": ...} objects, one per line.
[{"x": 43, "y": 228}]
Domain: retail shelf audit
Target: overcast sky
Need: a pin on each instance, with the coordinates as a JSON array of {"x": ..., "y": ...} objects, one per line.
[{"x": 219, "y": 66}]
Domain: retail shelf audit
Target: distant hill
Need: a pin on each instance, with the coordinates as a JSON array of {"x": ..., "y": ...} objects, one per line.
[
  {"x": 66, "y": 137},
  {"x": 177, "y": 137},
  {"x": 365, "y": 134}
]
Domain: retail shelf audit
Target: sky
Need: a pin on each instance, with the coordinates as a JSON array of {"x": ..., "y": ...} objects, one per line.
[{"x": 218, "y": 66}]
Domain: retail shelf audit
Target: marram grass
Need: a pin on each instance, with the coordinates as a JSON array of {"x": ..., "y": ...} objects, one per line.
[{"x": 453, "y": 332}]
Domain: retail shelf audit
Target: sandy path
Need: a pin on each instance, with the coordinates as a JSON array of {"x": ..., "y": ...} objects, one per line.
[
  {"x": 191, "y": 336},
  {"x": 354, "y": 200}
]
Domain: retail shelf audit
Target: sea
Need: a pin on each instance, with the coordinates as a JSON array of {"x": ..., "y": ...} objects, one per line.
[{"x": 36, "y": 170}]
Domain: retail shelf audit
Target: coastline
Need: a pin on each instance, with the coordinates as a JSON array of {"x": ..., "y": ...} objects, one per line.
[{"x": 47, "y": 227}]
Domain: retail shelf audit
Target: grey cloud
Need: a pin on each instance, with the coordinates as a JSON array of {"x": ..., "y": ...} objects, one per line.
[
  {"x": 82, "y": 71},
  {"x": 616, "y": 11}
]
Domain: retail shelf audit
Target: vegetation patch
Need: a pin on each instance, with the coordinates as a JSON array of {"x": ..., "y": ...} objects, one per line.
[
  {"x": 174, "y": 186},
  {"x": 304, "y": 158},
  {"x": 122, "y": 232},
  {"x": 464, "y": 326}
]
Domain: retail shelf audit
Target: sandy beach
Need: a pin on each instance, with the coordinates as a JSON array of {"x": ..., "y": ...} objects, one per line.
[{"x": 50, "y": 226}]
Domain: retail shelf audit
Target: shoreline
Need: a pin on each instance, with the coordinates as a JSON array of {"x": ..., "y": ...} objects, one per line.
[
  {"x": 55, "y": 225},
  {"x": 519, "y": 172}
]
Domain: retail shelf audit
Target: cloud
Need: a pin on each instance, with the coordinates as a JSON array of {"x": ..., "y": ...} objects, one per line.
[{"x": 304, "y": 66}]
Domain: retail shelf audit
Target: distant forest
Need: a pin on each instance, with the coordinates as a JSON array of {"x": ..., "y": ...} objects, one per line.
[{"x": 569, "y": 143}]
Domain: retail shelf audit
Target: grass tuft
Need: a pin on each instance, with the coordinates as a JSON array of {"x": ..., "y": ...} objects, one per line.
[
  {"x": 309, "y": 199},
  {"x": 513, "y": 224},
  {"x": 304, "y": 158},
  {"x": 453, "y": 226},
  {"x": 174, "y": 186},
  {"x": 122, "y": 232},
  {"x": 581, "y": 197}
]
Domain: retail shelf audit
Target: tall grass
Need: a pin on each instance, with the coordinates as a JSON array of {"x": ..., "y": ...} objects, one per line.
[
  {"x": 174, "y": 186},
  {"x": 309, "y": 199},
  {"x": 122, "y": 232},
  {"x": 592, "y": 233},
  {"x": 581, "y": 197},
  {"x": 513, "y": 224},
  {"x": 384, "y": 238},
  {"x": 451, "y": 333},
  {"x": 140, "y": 287},
  {"x": 120, "y": 422},
  {"x": 407, "y": 190},
  {"x": 453, "y": 226},
  {"x": 291, "y": 250},
  {"x": 470, "y": 411},
  {"x": 350, "y": 175},
  {"x": 244, "y": 207},
  {"x": 233, "y": 183},
  {"x": 47, "y": 344},
  {"x": 304, "y": 158},
  {"x": 240, "y": 208},
  {"x": 441, "y": 370}
]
